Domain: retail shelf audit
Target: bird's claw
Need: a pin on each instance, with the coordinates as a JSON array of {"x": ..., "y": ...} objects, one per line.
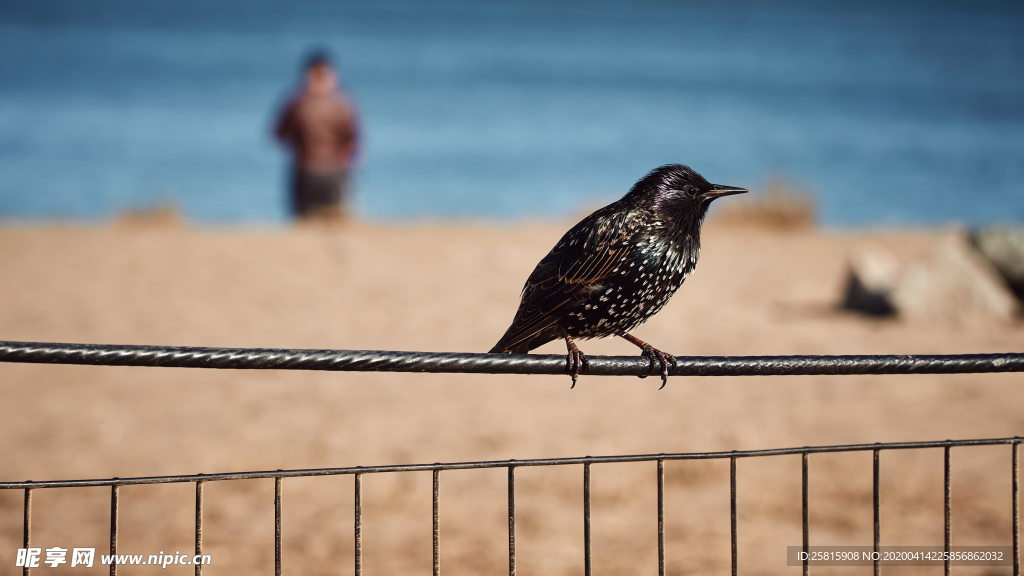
[
  {"x": 663, "y": 359},
  {"x": 575, "y": 360}
]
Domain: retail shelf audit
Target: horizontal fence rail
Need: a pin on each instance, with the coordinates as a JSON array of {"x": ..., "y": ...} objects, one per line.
[
  {"x": 307, "y": 472},
  {"x": 458, "y": 362}
]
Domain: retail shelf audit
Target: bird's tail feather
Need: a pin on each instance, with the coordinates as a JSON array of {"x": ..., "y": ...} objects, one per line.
[
  {"x": 513, "y": 341},
  {"x": 501, "y": 348}
]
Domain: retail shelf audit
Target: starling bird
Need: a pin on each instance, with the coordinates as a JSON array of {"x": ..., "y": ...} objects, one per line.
[{"x": 616, "y": 268}]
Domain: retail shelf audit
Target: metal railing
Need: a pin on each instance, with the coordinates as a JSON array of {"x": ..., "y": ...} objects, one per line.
[
  {"x": 511, "y": 465},
  {"x": 457, "y": 362},
  {"x": 236, "y": 358}
]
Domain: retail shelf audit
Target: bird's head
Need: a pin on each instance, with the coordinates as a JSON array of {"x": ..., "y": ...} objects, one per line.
[{"x": 679, "y": 191}]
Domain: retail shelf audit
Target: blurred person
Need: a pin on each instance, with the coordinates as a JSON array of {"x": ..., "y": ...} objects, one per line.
[{"x": 319, "y": 124}]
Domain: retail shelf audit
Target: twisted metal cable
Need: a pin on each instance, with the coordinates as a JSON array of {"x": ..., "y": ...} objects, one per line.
[{"x": 461, "y": 362}]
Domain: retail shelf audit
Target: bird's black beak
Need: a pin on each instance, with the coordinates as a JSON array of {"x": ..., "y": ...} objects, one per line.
[{"x": 718, "y": 190}]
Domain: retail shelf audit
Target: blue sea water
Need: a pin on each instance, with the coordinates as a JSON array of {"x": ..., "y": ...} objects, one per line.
[{"x": 891, "y": 112}]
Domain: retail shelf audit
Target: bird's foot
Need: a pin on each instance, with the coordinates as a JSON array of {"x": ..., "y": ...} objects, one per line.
[
  {"x": 662, "y": 358},
  {"x": 575, "y": 360}
]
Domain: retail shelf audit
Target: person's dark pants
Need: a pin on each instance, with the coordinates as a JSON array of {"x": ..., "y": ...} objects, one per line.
[{"x": 318, "y": 193}]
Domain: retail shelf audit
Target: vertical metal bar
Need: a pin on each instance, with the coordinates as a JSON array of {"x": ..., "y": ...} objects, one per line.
[
  {"x": 199, "y": 526},
  {"x": 27, "y": 526},
  {"x": 437, "y": 525},
  {"x": 661, "y": 518},
  {"x": 511, "y": 521},
  {"x": 277, "y": 526},
  {"x": 114, "y": 497},
  {"x": 946, "y": 509},
  {"x": 805, "y": 515},
  {"x": 1016, "y": 511},
  {"x": 357, "y": 528},
  {"x": 587, "y": 571},
  {"x": 878, "y": 520},
  {"x": 732, "y": 507}
]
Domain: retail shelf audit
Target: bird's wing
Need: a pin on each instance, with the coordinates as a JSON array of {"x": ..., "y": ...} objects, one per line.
[{"x": 588, "y": 254}]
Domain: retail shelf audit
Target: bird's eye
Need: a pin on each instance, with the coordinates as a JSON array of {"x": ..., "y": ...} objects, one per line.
[{"x": 690, "y": 191}]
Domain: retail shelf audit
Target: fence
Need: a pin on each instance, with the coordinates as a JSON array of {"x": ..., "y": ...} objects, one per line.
[{"x": 235, "y": 358}]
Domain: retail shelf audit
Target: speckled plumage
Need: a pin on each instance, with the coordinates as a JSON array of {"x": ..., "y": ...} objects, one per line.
[{"x": 618, "y": 267}]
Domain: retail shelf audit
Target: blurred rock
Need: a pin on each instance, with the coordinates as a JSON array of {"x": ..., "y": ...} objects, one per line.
[
  {"x": 780, "y": 207},
  {"x": 156, "y": 216},
  {"x": 871, "y": 279},
  {"x": 954, "y": 284},
  {"x": 1003, "y": 247}
]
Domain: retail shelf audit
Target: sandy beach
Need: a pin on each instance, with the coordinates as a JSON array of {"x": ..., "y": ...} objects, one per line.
[{"x": 454, "y": 287}]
